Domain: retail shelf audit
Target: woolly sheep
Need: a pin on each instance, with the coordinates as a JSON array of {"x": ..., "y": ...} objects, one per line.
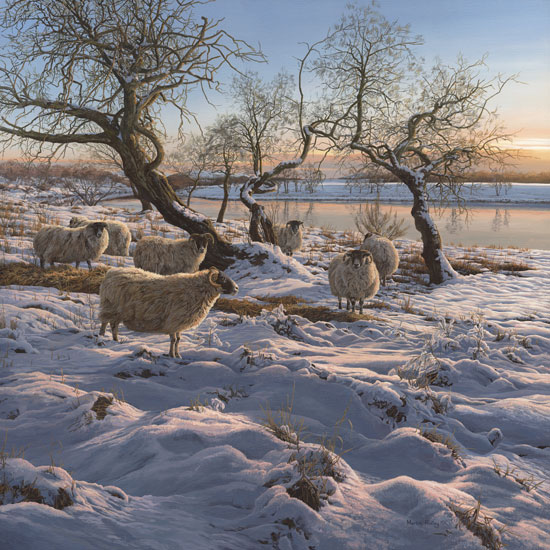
[
  {"x": 384, "y": 253},
  {"x": 169, "y": 256},
  {"x": 353, "y": 275},
  {"x": 119, "y": 235},
  {"x": 147, "y": 302},
  {"x": 289, "y": 237},
  {"x": 54, "y": 243}
]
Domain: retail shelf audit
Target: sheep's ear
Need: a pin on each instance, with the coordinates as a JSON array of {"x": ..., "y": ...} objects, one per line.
[
  {"x": 208, "y": 237},
  {"x": 347, "y": 257},
  {"x": 194, "y": 236},
  {"x": 368, "y": 235}
]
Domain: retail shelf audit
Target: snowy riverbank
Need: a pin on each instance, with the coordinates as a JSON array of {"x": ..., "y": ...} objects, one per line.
[{"x": 335, "y": 190}]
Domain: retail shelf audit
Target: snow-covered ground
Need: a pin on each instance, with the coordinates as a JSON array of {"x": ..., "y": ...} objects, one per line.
[
  {"x": 337, "y": 190},
  {"x": 114, "y": 445}
]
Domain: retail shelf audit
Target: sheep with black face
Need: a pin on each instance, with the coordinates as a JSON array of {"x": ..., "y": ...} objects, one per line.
[
  {"x": 353, "y": 275},
  {"x": 54, "y": 243},
  {"x": 147, "y": 302},
  {"x": 168, "y": 256},
  {"x": 290, "y": 237},
  {"x": 119, "y": 235}
]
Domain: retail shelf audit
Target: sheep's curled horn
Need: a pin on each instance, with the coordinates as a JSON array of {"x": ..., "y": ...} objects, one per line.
[
  {"x": 213, "y": 276},
  {"x": 209, "y": 237}
]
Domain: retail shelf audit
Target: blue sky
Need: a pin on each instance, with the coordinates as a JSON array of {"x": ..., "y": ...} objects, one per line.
[{"x": 515, "y": 35}]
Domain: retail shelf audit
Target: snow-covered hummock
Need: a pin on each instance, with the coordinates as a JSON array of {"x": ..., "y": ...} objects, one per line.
[{"x": 181, "y": 457}]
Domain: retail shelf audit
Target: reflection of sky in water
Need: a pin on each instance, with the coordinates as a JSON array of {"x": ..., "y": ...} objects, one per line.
[{"x": 484, "y": 225}]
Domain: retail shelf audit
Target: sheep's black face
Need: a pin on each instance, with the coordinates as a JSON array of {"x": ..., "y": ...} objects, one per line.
[
  {"x": 201, "y": 241},
  {"x": 294, "y": 225},
  {"x": 358, "y": 258},
  {"x": 98, "y": 228},
  {"x": 228, "y": 285}
]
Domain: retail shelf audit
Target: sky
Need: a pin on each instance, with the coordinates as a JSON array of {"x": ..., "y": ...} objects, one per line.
[{"x": 515, "y": 36}]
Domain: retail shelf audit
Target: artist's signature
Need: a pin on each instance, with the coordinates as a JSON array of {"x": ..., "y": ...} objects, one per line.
[{"x": 423, "y": 523}]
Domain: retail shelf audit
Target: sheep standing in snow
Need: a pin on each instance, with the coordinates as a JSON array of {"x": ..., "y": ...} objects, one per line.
[
  {"x": 384, "y": 253},
  {"x": 353, "y": 276},
  {"x": 119, "y": 235},
  {"x": 54, "y": 243},
  {"x": 290, "y": 236},
  {"x": 147, "y": 302},
  {"x": 169, "y": 256}
]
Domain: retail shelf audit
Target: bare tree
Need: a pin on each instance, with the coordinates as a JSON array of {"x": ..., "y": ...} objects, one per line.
[
  {"x": 415, "y": 126},
  {"x": 194, "y": 161},
  {"x": 227, "y": 150},
  {"x": 77, "y": 72},
  {"x": 312, "y": 176},
  {"x": 90, "y": 189}
]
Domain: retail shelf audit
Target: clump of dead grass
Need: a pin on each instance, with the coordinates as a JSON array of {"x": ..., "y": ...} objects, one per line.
[
  {"x": 480, "y": 524},
  {"x": 101, "y": 405},
  {"x": 64, "y": 277},
  {"x": 435, "y": 437}
]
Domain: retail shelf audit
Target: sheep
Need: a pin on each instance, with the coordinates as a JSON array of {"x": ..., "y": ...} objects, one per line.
[
  {"x": 289, "y": 237},
  {"x": 119, "y": 235},
  {"x": 384, "y": 253},
  {"x": 162, "y": 304},
  {"x": 353, "y": 275},
  {"x": 169, "y": 256},
  {"x": 54, "y": 243}
]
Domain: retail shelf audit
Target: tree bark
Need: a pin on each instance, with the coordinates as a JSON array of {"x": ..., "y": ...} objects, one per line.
[
  {"x": 225, "y": 200},
  {"x": 145, "y": 205},
  {"x": 439, "y": 268},
  {"x": 153, "y": 186}
]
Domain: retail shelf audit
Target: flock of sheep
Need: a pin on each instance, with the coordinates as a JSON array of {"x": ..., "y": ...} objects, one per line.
[{"x": 166, "y": 293}]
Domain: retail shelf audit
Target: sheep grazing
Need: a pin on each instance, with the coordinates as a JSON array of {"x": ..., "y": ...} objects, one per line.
[
  {"x": 147, "y": 302},
  {"x": 289, "y": 237},
  {"x": 354, "y": 276},
  {"x": 119, "y": 235},
  {"x": 169, "y": 256},
  {"x": 384, "y": 253},
  {"x": 54, "y": 243}
]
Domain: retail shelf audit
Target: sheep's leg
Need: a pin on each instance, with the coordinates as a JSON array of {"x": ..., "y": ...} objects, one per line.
[
  {"x": 361, "y": 302},
  {"x": 77, "y": 264},
  {"x": 177, "y": 346},
  {"x": 384, "y": 280},
  {"x": 339, "y": 302},
  {"x": 89, "y": 265},
  {"x": 42, "y": 263},
  {"x": 347, "y": 304},
  {"x": 172, "y": 352},
  {"x": 114, "y": 330},
  {"x": 102, "y": 329},
  {"x": 353, "y": 306}
]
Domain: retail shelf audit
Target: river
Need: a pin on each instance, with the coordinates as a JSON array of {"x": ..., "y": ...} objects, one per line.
[{"x": 523, "y": 226}]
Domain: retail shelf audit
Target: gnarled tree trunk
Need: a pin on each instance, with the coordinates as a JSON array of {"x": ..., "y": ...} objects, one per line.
[
  {"x": 439, "y": 268},
  {"x": 225, "y": 200},
  {"x": 154, "y": 187}
]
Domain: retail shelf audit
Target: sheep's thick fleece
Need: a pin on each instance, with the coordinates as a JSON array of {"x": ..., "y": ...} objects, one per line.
[
  {"x": 119, "y": 235},
  {"x": 384, "y": 253},
  {"x": 147, "y": 302},
  {"x": 169, "y": 256},
  {"x": 354, "y": 284},
  {"x": 54, "y": 243}
]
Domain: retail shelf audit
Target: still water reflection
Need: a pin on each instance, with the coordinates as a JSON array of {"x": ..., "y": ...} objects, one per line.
[{"x": 521, "y": 225}]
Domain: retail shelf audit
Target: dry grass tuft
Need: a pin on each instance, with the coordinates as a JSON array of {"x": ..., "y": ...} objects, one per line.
[
  {"x": 480, "y": 525},
  {"x": 63, "y": 277},
  {"x": 101, "y": 405},
  {"x": 435, "y": 437}
]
